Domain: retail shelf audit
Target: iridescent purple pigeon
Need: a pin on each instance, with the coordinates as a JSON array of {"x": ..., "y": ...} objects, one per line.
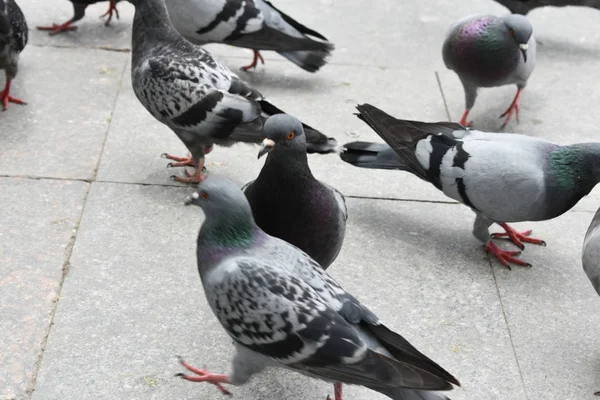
[{"x": 490, "y": 51}]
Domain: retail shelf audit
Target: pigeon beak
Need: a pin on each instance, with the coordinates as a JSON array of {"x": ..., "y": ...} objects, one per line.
[
  {"x": 191, "y": 199},
  {"x": 524, "y": 47},
  {"x": 267, "y": 146}
]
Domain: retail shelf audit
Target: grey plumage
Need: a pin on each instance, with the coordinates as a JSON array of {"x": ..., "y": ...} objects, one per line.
[
  {"x": 591, "y": 252},
  {"x": 372, "y": 155},
  {"x": 501, "y": 177},
  {"x": 288, "y": 202},
  {"x": 14, "y": 34},
  {"x": 282, "y": 309},
  {"x": 253, "y": 24},
  {"x": 185, "y": 88},
  {"x": 490, "y": 51},
  {"x": 525, "y": 6}
]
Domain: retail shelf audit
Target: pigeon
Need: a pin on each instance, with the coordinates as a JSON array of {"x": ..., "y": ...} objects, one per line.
[
  {"x": 524, "y": 6},
  {"x": 490, "y": 51},
  {"x": 502, "y": 177},
  {"x": 288, "y": 202},
  {"x": 281, "y": 309},
  {"x": 79, "y": 7},
  {"x": 372, "y": 155},
  {"x": 253, "y": 24},
  {"x": 13, "y": 39},
  {"x": 186, "y": 88},
  {"x": 591, "y": 252}
]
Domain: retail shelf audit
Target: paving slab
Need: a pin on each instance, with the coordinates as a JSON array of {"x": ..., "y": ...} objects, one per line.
[
  {"x": 71, "y": 94},
  {"x": 133, "y": 300},
  {"x": 37, "y": 223},
  {"x": 326, "y": 102}
]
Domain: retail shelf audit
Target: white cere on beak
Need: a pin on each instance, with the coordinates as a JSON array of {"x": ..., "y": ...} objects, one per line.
[
  {"x": 195, "y": 196},
  {"x": 524, "y": 46},
  {"x": 268, "y": 143}
]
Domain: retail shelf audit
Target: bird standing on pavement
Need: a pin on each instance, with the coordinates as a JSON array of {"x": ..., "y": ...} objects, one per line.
[
  {"x": 524, "y": 6},
  {"x": 253, "y": 24},
  {"x": 490, "y": 51},
  {"x": 591, "y": 252},
  {"x": 283, "y": 310},
  {"x": 288, "y": 202},
  {"x": 502, "y": 177},
  {"x": 79, "y": 7},
  {"x": 13, "y": 39},
  {"x": 185, "y": 88}
]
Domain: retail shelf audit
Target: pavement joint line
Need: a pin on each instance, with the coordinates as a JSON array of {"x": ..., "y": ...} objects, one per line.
[
  {"x": 439, "y": 82},
  {"x": 30, "y": 388},
  {"x": 510, "y": 336},
  {"x": 65, "y": 46}
]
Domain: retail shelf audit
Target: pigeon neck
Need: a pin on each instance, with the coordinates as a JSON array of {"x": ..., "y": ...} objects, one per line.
[
  {"x": 151, "y": 19},
  {"x": 289, "y": 162},
  {"x": 577, "y": 167},
  {"x": 228, "y": 229}
]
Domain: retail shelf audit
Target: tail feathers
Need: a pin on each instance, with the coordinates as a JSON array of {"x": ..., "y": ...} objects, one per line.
[
  {"x": 372, "y": 155},
  {"x": 301, "y": 28},
  {"x": 410, "y": 394},
  {"x": 310, "y": 61},
  {"x": 316, "y": 142},
  {"x": 402, "y": 350}
]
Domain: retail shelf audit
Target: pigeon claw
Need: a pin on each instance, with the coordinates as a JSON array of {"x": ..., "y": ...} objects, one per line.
[
  {"x": 517, "y": 237},
  {"x": 6, "y": 98},
  {"x": 202, "y": 375},
  {"x": 112, "y": 9},
  {"x": 505, "y": 257},
  {"x": 463, "y": 120},
  {"x": 58, "y": 28},
  {"x": 254, "y": 63},
  {"x": 513, "y": 108},
  {"x": 181, "y": 161}
]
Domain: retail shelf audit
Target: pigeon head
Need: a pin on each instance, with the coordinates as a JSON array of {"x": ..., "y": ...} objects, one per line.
[
  {"x": 520, "y": 29},
  {"x": 283, "y": 131},
  {"x": 214, "y": 195}
]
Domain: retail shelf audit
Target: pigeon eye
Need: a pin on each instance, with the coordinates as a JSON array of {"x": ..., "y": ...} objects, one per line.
[
  {"x": 204, "y": 195},
  {"x": 291, "y": 135}
]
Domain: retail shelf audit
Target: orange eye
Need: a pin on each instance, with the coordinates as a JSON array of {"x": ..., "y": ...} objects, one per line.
[
  {"x": 291, "y": 135},
  {"x": 204, "y": 195}
]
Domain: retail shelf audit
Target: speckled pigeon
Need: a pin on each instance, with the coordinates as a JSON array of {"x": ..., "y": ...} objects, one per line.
[
  {"x": 524, "y": 6},
  {"x": 13, "y": 39},
  {"x": 79, "y": 7},
  {"x": 490, "y": 51},
  {"x": 184, "y": 87},
  {"x": 253, "y": 24},
  {"x": 591, "y": 252},
  {"x": 502, "y": 177},
  {"x": 288, "y": 202},
  {"x": 283, "y": 310}
]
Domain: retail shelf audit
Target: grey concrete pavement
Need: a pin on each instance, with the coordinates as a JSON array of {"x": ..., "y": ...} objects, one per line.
[{"x": 98, "y": 283}]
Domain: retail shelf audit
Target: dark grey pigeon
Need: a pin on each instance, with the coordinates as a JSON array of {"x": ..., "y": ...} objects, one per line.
[
  {"x": 283, "y": 310},
  {"x": 13, "y": 39},
  {"x": 524, "y": 6},
  {"x": 502, "y": 177},
  {"x": 591, "y": 252},
  {"x": 490, "y": 51},
  {"x": 253, "y": 24},
  {"x": 79, "y": 7},
  {"x": 185, "y": 88},
  {"x": 372, "y": 155},
  {"x": 288, "y": 202}
]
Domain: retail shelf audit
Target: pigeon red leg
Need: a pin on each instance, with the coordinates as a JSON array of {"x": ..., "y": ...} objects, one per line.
[
  {"x": 517, "y": 237},
  {"x": 58, "y": 28},
  {"x": 203, "y": 375},
  {"x": 197, "y": 177},
  {"x": 181, "y": 161},
  {"x": 257, "y": 57},
  {"x": 5, "y": 96},
  {"x": 337, "y": 390},
  {"x": 112, "y": 8},
  {"x": 463, "y": 120},
  {"x": 505, "y": 257},
  {"x": 513, "y": 108}
]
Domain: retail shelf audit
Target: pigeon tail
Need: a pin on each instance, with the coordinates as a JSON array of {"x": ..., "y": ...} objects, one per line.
[
  {"x": 310, "y": 61},
  {"x": 410, "y": 394},
  {"x": 372, "y": 155}
]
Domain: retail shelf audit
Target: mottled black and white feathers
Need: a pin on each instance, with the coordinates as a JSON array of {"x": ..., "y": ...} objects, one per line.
[
  {"x": 591, "y": 252},
  {"x": 288, "y": 202},
  {"x": 253, "y": 24},
  {"x": 184, "y": 87},
  {"x": 282, "y": 309},
  {"x": 14, "y": 34},
  {"x": 502, "y": 177},
  {"x": 525, "y": 6}
]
